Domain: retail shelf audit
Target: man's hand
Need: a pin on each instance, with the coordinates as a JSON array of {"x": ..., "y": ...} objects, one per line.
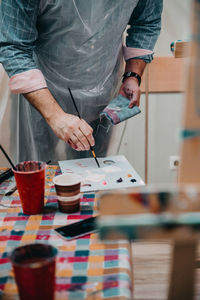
[
  {"x": 72, "y": 130},
  {"x": 130, "y": 89},
  {"x": 67, "y": 127}
]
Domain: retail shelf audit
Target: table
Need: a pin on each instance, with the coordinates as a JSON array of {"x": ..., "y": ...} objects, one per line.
[{"x": 85, "y": 268}]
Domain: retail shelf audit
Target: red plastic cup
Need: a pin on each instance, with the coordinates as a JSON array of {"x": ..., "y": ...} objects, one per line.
[
  {"x": 30, "y": 181},
  {"x": 34, "y": 270}
]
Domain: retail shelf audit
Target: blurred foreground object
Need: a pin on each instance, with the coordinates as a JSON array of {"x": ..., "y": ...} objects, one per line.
[
  {"x": 154, "y": 213},
  {"x": 180, "y": 48}
]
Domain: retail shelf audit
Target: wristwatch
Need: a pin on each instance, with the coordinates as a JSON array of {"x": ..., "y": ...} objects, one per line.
[{"x": 132, "y": 74}]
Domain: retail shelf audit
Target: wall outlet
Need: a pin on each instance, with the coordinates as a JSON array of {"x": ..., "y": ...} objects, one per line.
[{"x": 174, "y": 162}]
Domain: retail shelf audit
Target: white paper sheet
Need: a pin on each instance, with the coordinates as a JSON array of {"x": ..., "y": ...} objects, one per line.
[{"x": 105, "y": 177}]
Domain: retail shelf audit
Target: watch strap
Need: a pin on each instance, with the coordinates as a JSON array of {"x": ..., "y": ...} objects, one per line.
[{"x": 132, "y": 74}]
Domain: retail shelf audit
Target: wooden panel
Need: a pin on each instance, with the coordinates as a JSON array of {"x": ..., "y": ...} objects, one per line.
[
  {"x": 182, "y": 277},
  {"x": 151, "y": 270},
  {"x": 181, "y": 49},
  {"x": 166, "y": 75},
  {"x": 190, "y": 150}
]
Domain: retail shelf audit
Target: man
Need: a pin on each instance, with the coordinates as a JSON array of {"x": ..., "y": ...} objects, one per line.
[{"x": 48, "y": 46}]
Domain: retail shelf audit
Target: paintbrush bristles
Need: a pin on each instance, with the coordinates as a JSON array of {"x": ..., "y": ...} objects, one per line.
[{"x": 97, "y": 162}]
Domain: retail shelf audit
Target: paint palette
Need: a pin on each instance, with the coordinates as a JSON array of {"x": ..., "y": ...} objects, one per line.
[{"x": 115, "y": 172}]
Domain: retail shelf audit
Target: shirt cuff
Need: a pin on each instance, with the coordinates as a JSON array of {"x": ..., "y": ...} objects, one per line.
[
  {"x": 135, "y": 52},
  {"x": 27, "y": 82}
]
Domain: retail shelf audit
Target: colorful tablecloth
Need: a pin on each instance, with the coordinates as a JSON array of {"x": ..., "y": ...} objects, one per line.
[{"x": 86, "y": 268}]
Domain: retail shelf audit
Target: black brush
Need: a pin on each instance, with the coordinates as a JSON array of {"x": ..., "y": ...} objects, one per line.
[
  {"x": 8, "y": 158},
  {"x": 5, "y": 175},
  {"x": 91, "y": 148}
]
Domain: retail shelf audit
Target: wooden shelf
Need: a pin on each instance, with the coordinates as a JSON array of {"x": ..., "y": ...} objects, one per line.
[{"x": 166, "y": 75}]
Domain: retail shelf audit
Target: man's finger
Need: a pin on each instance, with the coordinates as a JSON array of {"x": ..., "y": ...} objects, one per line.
[
  {"x": 72, "y": 145},
  {"x": 135, "y": 100},
  {"x": 77, "y": 143},
  {"x": 82, "y": 139},
  {"x": 87, "y": 132}
]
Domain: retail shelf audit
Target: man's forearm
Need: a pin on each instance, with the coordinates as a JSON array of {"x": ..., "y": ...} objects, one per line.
[
  {"x": 67, "y": 127},
  {"x": 45, "y": 103},
  {"x": 135, "y": 65}
]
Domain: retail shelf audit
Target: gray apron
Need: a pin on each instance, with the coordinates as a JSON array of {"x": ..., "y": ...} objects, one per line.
[{"x": 79, "y": 46}]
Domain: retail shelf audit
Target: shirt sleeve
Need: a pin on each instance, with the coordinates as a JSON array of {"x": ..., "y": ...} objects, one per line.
[
  {"x": 18, "y": 37},
  {"x": 145, "y": 26}
]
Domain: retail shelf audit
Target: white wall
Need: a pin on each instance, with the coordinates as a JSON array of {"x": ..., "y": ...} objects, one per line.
[
  {"x": 175, "y": 24},
  {"x": 165, "y": 110}
]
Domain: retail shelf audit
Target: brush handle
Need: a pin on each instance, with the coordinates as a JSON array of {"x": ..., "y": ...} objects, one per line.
[
  {"x": 11, "y": 191},
  {"x": 5, "y": 175},
  {"x": 91, "y": 148},
  {"x": 94, "y": 155},
  {"x": 73, "y": 100},
  {"x": 8, "y": 158}
]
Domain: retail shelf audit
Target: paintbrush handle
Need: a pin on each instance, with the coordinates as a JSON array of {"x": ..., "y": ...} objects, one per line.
[
  {"x": 91, "y": 148},
  {"x": 5, "y": 175},
  {"x": 11, "y": 191},
  {"x": 8, "y": 158},
  {"x": 73, "y": 100},
  {"x": 94, "y": 155}
]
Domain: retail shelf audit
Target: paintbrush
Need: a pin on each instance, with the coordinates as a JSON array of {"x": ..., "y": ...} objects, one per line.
[
  {"x": 11, "y": 191},
  {"x": 91, "y": 148},
  {"x": 5, "y": 175},
  {"x": 8, "y": 158}
]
